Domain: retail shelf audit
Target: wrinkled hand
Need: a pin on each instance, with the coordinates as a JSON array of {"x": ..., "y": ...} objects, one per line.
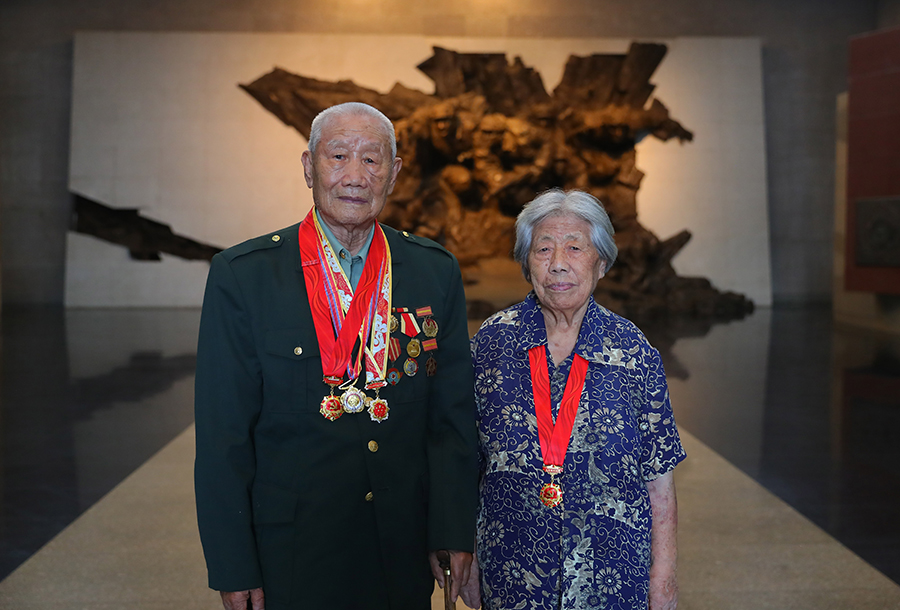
[
  {"x": 237, "y": 600},
  {"x": 471, "y": 591},
  {"x": 460, "y": 564}
]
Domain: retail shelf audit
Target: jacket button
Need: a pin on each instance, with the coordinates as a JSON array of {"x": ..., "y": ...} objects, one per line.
[
  {"x": 369, "y": 497},
  {"x": 276, "y": 238},
  {"x": 373, "y": 446},
  {"x": 405, "y": 234},
  {"x": 298, "y": 350}
]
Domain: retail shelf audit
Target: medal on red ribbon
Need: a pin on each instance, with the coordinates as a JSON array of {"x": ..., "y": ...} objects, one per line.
[
  {"x": 342, "y": 316},
  {"x": 554, "y": 438}
]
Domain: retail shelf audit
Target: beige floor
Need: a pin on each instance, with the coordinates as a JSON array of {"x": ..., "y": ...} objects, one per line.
[{"x": 740, "y": 548}]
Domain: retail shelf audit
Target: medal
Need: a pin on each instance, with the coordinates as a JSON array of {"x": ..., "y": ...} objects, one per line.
[
  {"x": 554, "y": 437},
  {"x": 551, "y": 495},
  {"x": 353, "y": 400},
  {"x": 393, "y": 376},
  {"x": 410, "y": 367},
  {"x": 331, "y": 407},
  {"x": 413, "y": 348},
  {"x": 408, "y": 324},
  {"x": 429, "y": 326},
  {"x": 430, "y": 366},
  {"x": 378, "y": 410},
  {"x": 394, "y": 324}
]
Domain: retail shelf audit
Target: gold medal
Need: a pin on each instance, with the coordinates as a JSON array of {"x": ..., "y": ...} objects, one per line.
[
  {"x": 551, "y": 495},
  {"x": 353, "y": 400},
  {"x": 413, "y": 348},
  {"x": 394, "y": 323},
  {"x": 331, "y": 407},
  {"x": 430, "y": 327},
  {"x": 378, "y": 410}
]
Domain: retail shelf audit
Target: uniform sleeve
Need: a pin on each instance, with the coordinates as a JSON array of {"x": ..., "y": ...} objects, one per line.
[
  {"x": 227, "y": 402},
  {"x": 452, "y": 443},
  {"x": 661, "y": 448}
]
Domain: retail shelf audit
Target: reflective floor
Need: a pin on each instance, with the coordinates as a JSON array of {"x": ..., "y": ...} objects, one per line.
[{"x": 810, "y": 411}]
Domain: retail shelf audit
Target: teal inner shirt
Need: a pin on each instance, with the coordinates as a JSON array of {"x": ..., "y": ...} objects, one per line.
[{"x": 352, "y": 265}]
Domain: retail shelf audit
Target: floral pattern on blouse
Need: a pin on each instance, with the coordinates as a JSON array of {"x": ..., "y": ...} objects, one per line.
[{"x": 593, "y": 550}]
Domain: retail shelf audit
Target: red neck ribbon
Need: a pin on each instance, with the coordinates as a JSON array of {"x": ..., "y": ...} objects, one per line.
[
  {"x": 336, "y": 344},
  {"x": 554, "y": 439}
]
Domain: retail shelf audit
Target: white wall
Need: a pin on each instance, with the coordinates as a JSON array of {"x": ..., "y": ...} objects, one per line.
[{"x": 158, "y": 123}]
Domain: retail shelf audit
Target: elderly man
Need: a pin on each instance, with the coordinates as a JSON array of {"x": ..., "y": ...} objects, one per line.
[{"x": 336, "y": 440}]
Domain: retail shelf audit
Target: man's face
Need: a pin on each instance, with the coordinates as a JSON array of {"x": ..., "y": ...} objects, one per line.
[{"x": 352, "y": 172}]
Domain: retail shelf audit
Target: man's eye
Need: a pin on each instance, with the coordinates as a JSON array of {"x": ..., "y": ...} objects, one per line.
[{"x": 339, "y": 157}]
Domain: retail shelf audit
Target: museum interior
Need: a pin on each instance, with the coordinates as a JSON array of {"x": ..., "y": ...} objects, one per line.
[{"x": 747, "y": 151}]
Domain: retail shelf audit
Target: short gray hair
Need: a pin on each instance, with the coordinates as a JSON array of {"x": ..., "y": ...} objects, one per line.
[
  {"x": 351, "y": 109},
  {"x": 557, "y": 202}
]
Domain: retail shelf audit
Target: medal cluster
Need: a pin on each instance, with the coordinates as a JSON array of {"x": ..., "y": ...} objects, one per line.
[
  {"x": 345, "y": 397},
  {"x": 406, "y": 323},
  {"x": 352, "y": 400}
]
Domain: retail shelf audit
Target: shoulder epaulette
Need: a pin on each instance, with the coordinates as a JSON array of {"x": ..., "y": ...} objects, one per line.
[{"x": 263, "y": 242}]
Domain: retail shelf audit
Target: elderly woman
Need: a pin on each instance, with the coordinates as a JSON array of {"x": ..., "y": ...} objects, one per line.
[{"x": 577, "y": 435}]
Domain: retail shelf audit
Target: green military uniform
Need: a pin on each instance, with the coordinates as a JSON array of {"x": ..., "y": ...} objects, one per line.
[{"x": 329, "y": 514}]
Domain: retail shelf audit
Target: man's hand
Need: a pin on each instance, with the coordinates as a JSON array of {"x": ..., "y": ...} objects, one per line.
[
  {"x": 460, "y": 564},
  {"x": 237, "y": 600}
]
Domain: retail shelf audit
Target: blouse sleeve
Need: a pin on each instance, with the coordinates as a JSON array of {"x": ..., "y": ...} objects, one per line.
[{"x": 661, "y": 448}]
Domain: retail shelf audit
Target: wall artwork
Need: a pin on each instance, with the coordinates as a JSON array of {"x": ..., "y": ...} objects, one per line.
[
  {"x": 186, "y": 143},
  {"x": 491, "y": 137}
]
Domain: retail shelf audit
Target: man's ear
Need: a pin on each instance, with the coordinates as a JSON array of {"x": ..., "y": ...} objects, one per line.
[
  {"x": 395, "y": 171},
  {"x": 307, "y": 161}
]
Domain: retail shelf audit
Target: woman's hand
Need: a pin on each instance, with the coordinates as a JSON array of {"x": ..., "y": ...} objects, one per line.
[{"x": 471, "y": 592}]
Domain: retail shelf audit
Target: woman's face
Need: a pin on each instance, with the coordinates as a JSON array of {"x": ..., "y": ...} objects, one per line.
[{"x": 563, "y": 263}]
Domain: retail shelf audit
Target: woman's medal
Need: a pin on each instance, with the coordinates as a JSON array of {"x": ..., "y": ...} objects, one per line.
[
  {"x": 554, "y": 438},
  {"x": 551, "y": 493}
]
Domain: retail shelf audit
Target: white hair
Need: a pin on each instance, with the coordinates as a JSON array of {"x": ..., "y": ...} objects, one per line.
[
  {"x": 557, "y": 202},
  {"x": 351, "y": 109}
]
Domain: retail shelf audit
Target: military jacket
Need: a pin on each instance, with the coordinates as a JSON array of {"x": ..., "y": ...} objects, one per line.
[{"x": 329, "y": 514}]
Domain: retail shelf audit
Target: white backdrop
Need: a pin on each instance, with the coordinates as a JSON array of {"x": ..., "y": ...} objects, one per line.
[{"x": 159, "y": 124}]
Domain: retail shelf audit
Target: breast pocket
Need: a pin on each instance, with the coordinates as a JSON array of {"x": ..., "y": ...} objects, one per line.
[{"x": 291, "y": 369}]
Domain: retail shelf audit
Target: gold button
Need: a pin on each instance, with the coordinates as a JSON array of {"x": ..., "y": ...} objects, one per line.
[
  {"x": 405, "y": 234},
  {"x": 373, "y": 446},
  {"x": 369, "y": 497},
  {"x": 276, "y": 238},
  {"x": 298, "y": 350},
  {"x": 343, "y": 255}
]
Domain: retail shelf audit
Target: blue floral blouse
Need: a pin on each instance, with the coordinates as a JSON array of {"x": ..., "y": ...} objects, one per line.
[{"x": 593, "y": 550}]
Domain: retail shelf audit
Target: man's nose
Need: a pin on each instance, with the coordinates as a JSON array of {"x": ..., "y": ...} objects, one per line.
[{"x": 354, "y": 173}]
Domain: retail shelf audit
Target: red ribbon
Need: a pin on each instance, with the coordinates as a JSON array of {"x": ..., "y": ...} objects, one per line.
[
  {"x": 336, "y": 350},
  {"x": 554, "y": 439}
]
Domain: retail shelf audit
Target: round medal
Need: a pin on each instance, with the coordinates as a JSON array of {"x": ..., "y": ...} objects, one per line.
[
  {"x": 394, "y": 324},
  {"x": 410, "y": 367},
  {"x": 378, "y": 410},
  {"x": 551, "y": 495},
  {"x": 393, "y": 376},
  {"x": 331, "y": 407},
  {"x": 430, "y": 327},
  {"x": 413, "y": 348},
  {"x": 353, "y": 400}
]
